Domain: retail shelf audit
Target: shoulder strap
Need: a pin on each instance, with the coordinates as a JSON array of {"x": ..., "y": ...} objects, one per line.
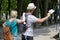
[{"x": 26, "y": 17}]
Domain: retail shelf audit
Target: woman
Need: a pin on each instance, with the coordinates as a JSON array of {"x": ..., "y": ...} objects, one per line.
[{"x": 12, "y": 23}]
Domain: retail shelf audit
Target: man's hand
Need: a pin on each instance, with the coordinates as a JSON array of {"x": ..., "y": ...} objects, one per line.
[
  {"x": 48, "y": 14},
  {"x": 51, "y": 11}
]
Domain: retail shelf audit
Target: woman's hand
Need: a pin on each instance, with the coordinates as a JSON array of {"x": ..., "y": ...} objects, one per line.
[{"x": 23, "y": 17}]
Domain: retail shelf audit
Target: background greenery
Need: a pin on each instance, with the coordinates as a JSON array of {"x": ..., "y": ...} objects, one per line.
[{"x": 20, "y": 5}]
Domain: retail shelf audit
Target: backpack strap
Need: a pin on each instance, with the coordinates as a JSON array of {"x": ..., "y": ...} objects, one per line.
[{"x": 26, "y": 17}]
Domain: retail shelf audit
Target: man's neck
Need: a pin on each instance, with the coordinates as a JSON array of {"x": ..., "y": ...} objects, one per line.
[{"x": 29, "y": 13}]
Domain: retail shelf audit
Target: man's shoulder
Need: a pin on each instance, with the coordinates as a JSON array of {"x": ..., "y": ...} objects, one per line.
[{"x": 31, "y": 16}]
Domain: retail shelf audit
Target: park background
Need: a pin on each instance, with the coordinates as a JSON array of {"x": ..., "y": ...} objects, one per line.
[
  {"x": 41, "y": 11},
  {"x": 21, "y": 5}
]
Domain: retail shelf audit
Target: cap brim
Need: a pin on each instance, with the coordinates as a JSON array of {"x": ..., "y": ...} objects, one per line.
[{"x": 30, "y": 8}]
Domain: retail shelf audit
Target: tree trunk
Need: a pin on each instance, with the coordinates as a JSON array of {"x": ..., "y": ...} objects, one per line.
[
  {"x": 46, "y": 9},
  {"x": 20, "y": 7},
  {"x": 0, "y": 9},
  {"x": 9, "y": 6}
]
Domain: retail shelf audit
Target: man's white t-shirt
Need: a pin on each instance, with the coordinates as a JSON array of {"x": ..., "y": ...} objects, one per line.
[{"x": 31, "y": 19}]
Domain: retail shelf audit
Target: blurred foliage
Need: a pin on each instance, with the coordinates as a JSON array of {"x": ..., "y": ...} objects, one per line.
[
  {"x": 26, "y": 2},
  {"x": 22, "y": 5},
  {"x": 4, "y": 5},
  {"x": 13, "y": 4}
]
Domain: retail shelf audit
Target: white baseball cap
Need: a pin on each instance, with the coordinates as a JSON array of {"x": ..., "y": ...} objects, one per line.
[{"x": 31, "y": 6}]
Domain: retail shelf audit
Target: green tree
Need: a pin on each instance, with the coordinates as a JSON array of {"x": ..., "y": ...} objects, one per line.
[
  {"x": 13, "y": 4},
  {"x": 4, "y": 5},
  {"x": 22, "y": 5}
]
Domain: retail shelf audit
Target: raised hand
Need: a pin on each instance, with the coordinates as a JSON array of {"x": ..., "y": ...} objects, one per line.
[{"x": 51, "y": 11}]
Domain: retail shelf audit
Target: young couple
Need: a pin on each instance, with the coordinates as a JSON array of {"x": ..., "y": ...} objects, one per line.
[{"x": 28, "y": 34}]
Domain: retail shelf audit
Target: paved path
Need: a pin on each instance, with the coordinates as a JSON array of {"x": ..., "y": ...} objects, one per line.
[
  {"x": 45, "y": 33},
  {"x": 1, "y": 32}
]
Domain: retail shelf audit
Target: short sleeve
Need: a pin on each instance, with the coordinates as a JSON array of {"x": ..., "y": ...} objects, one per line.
[
  {"x": 33, "y": 19},
  {"x": 7, "y": 23}
]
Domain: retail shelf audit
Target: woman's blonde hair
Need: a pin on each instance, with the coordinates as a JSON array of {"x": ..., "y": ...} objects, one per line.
[{"x": 13, "y": 13}]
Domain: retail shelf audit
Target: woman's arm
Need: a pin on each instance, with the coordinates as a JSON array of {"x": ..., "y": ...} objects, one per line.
[
  {"x": 4, "y": 25},
  {"x": 21, "y": 20}
]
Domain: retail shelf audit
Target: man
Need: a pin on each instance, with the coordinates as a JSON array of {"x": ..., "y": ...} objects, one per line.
[{"x": 28, "y": 34}]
